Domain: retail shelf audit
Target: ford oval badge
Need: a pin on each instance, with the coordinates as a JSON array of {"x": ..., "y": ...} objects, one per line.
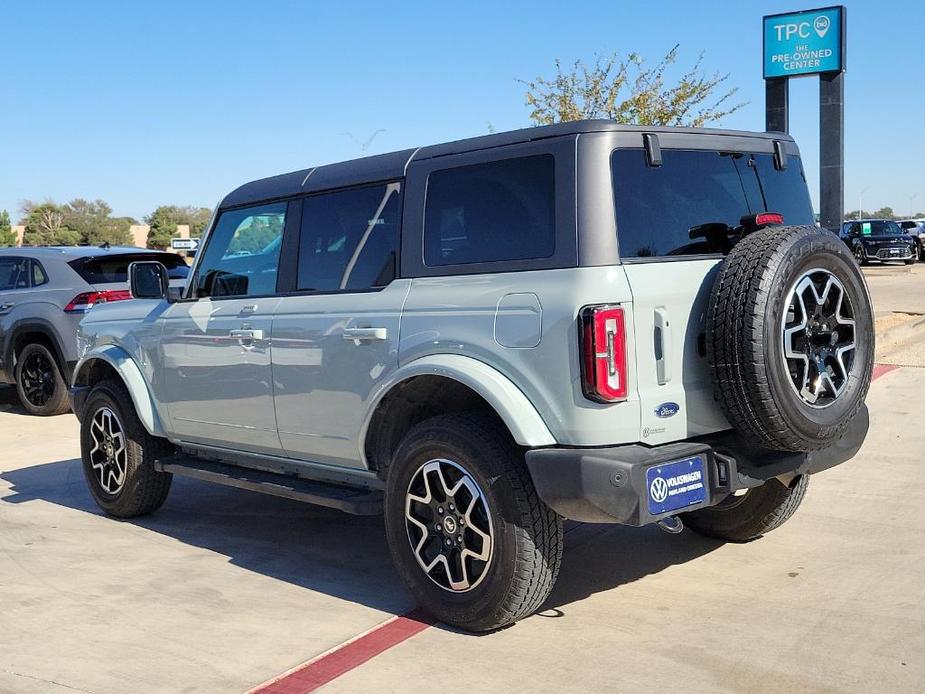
[{"x": 667, "y": 409}]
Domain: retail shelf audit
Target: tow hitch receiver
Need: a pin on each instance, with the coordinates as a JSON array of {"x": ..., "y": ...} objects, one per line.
[{"x": 671, "y": 524}]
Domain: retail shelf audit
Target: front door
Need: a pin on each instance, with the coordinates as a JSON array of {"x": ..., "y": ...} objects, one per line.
[
  {"x": 215, "y": 347},
  {"x": 336, "y": 337}
]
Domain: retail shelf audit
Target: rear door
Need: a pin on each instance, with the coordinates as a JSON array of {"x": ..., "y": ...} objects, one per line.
[
  {"x": 335, "y": 335},
  {"x": 672, "y": 226}
]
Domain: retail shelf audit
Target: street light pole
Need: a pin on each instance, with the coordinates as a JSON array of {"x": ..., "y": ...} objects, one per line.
[{"x": 861, "y": 202}]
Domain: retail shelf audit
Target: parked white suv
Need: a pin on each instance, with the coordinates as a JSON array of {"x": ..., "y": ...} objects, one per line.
[{"x": 587, "y": 320}]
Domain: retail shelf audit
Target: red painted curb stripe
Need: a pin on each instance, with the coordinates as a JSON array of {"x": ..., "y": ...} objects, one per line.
[
  {"x": 343, "y": 658},
  {"x": 882, "y": 369}
]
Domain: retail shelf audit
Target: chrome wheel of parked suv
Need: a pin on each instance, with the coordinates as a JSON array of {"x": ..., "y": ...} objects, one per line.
[
  {"x": 39, "y": 382},
  {"x": 466, "y": 528}
]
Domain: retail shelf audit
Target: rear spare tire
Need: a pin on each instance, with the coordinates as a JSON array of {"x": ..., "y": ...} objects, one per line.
[{"x": 790, "y": 338}]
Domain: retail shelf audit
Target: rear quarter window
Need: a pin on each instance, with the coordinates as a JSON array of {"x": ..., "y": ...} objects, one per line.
[
  {"x": 495, "y": 211},
  {"x": 113, "y": 269}
]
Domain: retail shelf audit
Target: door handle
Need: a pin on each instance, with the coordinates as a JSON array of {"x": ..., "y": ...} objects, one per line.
[
  {"x": 246, "y": 335},
  {"x": 366, "y": 334},
  {"x": 663, "y": 352}
]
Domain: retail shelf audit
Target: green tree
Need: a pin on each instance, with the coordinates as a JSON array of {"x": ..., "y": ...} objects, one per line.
[
  {"x": 256, "y": 234},
  {"x": 94, "y": 222},
  {"x": 7, "y": 237},
  {"x": 164, "y": 220},
  {"x": 45, "y": 225},
  {"x": 627, "y": 90}
]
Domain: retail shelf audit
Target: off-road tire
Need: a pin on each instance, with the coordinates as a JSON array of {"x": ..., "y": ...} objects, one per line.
[
  {"x": 57, "y": 402},
  {"x": 744, "y": 338},
  {"x": 759, "y": 511},
  {"x": 144, "y": 489},
  {"x": 528, "y": 535}
]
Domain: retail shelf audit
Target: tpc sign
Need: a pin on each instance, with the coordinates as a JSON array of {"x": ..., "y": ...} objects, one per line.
[{"x": 804, "y": 43}]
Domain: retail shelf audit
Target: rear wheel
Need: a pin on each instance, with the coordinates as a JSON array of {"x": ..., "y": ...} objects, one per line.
[
  {"x": 39, "y": 382},
  {"x": 119, "y": 454},
  {"x": 467, "y": 531},
  {"x": 752, "y": 514}
]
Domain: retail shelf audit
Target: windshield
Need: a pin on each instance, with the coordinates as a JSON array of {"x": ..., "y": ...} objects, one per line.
[
  {"x": 881, "y": 227},
  {"x": 688, "y": 205}
]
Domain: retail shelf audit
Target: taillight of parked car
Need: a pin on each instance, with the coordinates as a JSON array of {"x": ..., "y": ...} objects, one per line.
[
  {"x": 603, "y": 353},
  {"x": 87, "y": 300}
]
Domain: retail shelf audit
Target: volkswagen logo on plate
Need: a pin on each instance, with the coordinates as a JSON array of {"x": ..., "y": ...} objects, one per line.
[{"x": 658, "y": 490}]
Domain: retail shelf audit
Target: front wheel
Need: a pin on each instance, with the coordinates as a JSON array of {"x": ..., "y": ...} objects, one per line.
[
  {"x": 752, "y": 514},
  {"x": 466, "y": 528},
  {"x": 860, "y": 255},
  {"x": 119, "y": 454}
]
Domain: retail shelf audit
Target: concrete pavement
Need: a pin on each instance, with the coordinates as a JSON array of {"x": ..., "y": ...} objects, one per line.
[{"x": 223, "y": 589}]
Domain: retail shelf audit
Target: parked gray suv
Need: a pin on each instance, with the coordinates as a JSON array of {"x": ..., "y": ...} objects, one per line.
[
  {"x": 44, "y": 292},
  {"x": 591, "y": 321}
]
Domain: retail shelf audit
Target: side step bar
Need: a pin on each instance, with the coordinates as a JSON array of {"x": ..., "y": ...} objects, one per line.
[{"x": 360, "y": 502}]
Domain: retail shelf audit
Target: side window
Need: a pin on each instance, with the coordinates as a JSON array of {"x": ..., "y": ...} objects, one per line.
[
  {"x": 496, "y": 211},
  {"x": 38, "y": 274},
  {"x": 349, "y": 238},
  {"x": 241, "y": 257},
  {"x": 14, "y": 273}
]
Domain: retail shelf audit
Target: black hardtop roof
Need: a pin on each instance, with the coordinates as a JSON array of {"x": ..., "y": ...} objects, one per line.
[{"x": 393, "y": 165}]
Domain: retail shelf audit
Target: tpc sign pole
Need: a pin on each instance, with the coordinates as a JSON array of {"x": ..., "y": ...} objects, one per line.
[{"x": 811, "y": 42}]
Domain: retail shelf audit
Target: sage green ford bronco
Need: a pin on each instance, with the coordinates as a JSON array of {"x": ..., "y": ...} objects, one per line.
[{"x": 479, "y": 339}]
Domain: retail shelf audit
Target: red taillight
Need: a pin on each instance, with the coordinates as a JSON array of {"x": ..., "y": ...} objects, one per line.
[
  {"x": 84, "y": 302},
  {"x": 766, "y": 218},
  {"x": 603, "y": 353}
]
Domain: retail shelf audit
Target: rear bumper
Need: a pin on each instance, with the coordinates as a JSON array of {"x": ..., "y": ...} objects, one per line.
[{"x": 608, "y": 485}]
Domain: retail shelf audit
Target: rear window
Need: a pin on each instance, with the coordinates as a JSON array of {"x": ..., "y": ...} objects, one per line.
[
  {"x": 496, "y": 211},
  {"x": 677, "y": 208},
  {"x": 112, "y": 269}
]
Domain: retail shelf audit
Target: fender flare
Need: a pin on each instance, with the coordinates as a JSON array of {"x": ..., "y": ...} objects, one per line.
[
  {"x": 506, "y": 399},
  {"x": 134, "y": 381}
]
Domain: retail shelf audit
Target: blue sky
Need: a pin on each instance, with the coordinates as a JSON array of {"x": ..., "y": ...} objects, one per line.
[{"x": 144, "y": 104}]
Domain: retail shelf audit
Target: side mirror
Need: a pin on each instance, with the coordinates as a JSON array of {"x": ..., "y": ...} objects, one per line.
[{"x": 148, "y": 280}]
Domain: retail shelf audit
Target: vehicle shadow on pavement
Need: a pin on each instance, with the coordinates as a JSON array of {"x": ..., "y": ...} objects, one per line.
[
  {"x": 342, "y": 555},
  {"x": 599, "y": 558}
]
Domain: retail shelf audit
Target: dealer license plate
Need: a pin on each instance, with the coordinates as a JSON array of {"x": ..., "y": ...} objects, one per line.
[{"x": 675, "y": 485}]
